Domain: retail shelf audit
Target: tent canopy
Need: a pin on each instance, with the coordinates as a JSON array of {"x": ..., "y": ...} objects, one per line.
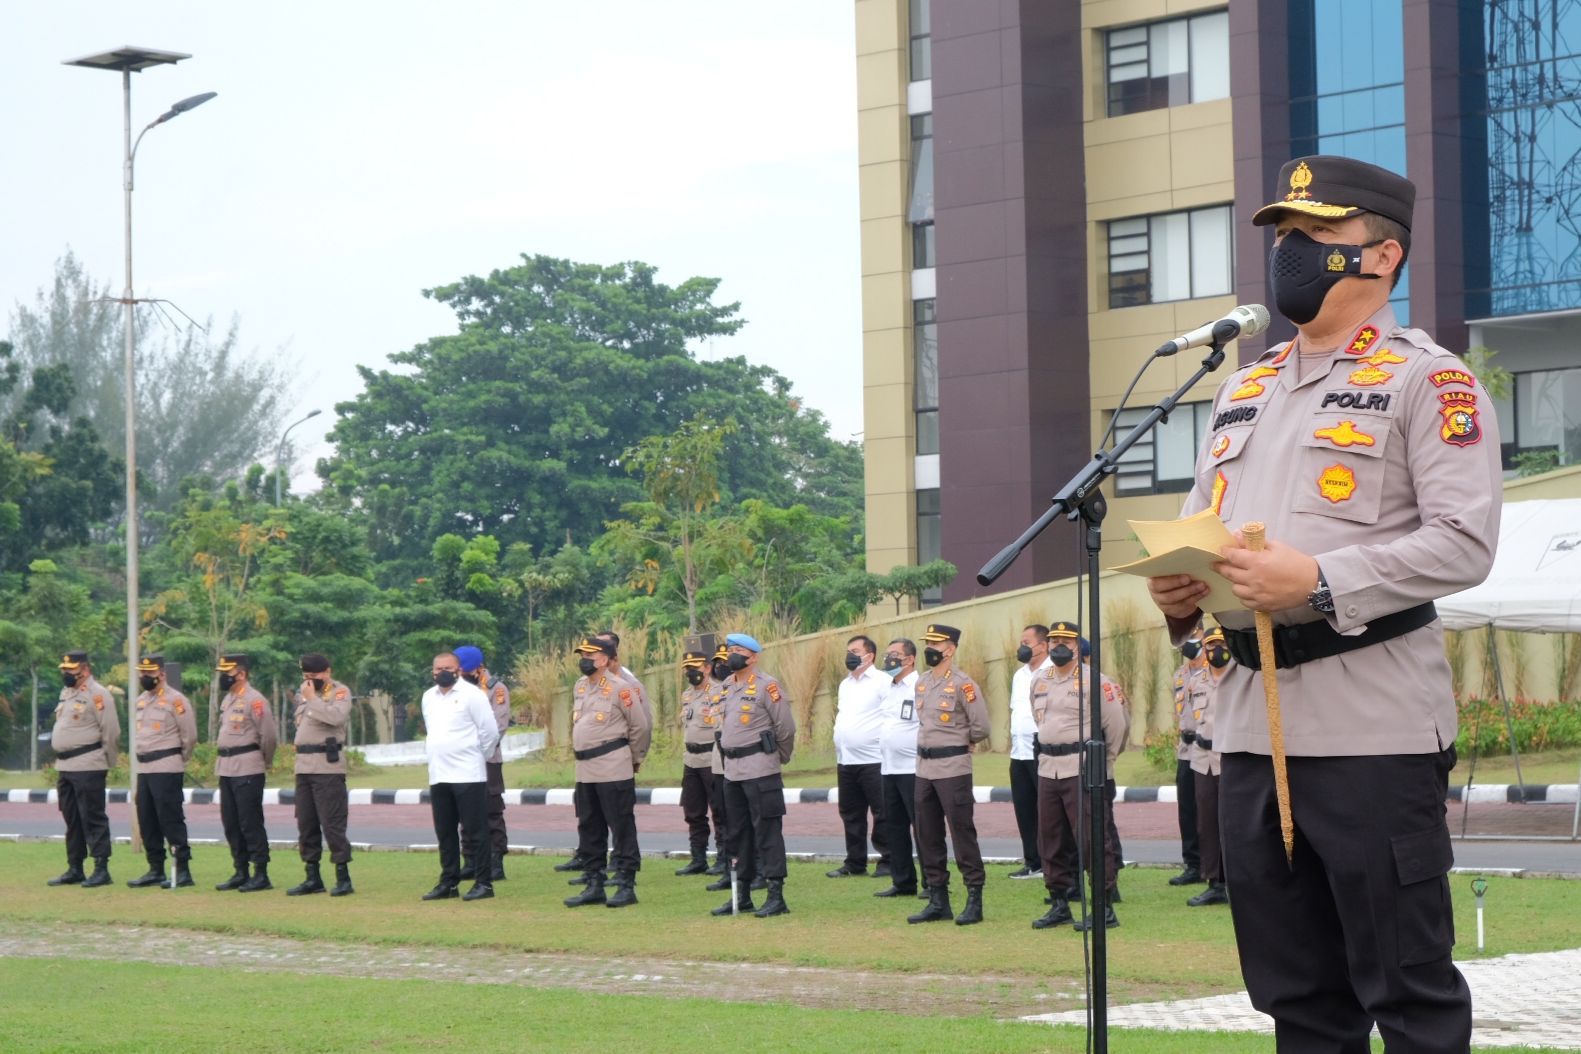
[{"x": 1535, "y": 584}]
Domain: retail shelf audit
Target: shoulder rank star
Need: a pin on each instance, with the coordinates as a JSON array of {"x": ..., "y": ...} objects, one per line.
[{"x": 1365, "y": 338}]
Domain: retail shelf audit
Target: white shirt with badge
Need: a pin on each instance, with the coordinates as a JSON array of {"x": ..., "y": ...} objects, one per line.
[
  {"x": 461, "y": 733},
  {"x": 1023, "y": 726},
  {"x": 898, "y": 740},
  {"x": 859, "y": 717}
]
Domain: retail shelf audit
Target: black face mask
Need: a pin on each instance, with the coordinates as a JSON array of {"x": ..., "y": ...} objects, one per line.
[
  {"x": 587, "y": 666},
  {"x": 738, "y": 661},
  {"x": 470, "y": 678},
  {"x": 317, "y": 683},
  {"x": 694, "y": 677},
  {"x": 227, "y": 681},
  {"x": 1061, "y": 654},
  {"x": 893, "y": 663},
  {"x": 932, "y": 656},
  {"x": 721, "y": 669},
  {"x": 852, "y": 661},
  {"x": 148, "y": 683},
  {"x": 1301, "y": 272},
  {"x": 69, "y": 680},
  {"x": 1191, "y": 649},
  {"x": 445, "y": 678},
  {"x": 1024, "y": 653},
  {"x": 1218, "y": 658}
]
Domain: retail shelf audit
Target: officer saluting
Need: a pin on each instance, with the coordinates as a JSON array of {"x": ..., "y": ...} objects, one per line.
[
  {"x": 323, "y": 706},
  {"x": 166, "y": 733},
  {"x": 951, "y": 716},
  {"x": 245, "y": 745},
  {"x": 699, "y": 723},
  {"x": 84, "y": 740}
]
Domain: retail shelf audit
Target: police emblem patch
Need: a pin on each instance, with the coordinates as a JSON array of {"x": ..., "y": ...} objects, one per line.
[
  {"x": 1220, "y": 445},
  {"x": 1368, "y": 376},
  {"x": 1251, "y": 385},
  {"x": 1337, "y": 483},
  {"x": 1460, "y": 425}
]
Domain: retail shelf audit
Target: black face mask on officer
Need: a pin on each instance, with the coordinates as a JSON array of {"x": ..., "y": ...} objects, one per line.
[
  {"x": 932, "y": 656},
  {"x": 694, "y": 676},
  {"x": 1061, "y": 654},
  {"x": 68, "y": 679},
  {"x": 1191, "y": 649},
  {"x": 445, "y": 678},
  {"x": 471, "y": 678},
  {"x": 852, "y": 661},
  {"x": 227, "y": 681},
  {"x": 587, "y": 666},
  {"x": 1301, "y": 271},
  {"x": 721, "y": 669},
  {"x": 893, "y": 662},
  {"x": 149, "y": 682},
  {"x": 1024, "y": 653},
  {"x": 1218, "y": 658},
  {"x": 737, "y": 661}
]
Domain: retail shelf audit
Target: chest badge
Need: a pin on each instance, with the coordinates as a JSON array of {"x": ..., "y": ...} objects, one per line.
[
  {"x": 1220, "y": 445},
  {"x": 746, "y": 719},
  {"x": 1345, "y": 434},
  {"x": 1337, "y": 483},
  {"x": 1252, "y": 386},
  {"x": 1367, "y": 376}
]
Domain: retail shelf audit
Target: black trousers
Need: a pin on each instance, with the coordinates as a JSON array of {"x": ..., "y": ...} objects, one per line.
[
  {"x": 900, "y": 814},
  {"x": 80, "y": 796},
  {"x": 1186, "y": 814},
  {"x": 862, "y": 792},
  {"x": 1111, "y": 836},
  {"x": 947, "y": 800},
  {"x": 1024, "y": 797},
  {"x": 1065, "y": 835},
  {"x": 241, "y": 814},
  {"x": 698, "y": 797},
  {"x": 464, "y": 804},
  {"x": 321, "y": 802},
  {"x": 161, "y": 817},
  {"x": 494, "y": 782},
  {"x": 607, "y": 812},
  {"x": 1359, "y": 930},
  {"x": 755, "y": 810},
  {"x": 1206, "y": 793}
]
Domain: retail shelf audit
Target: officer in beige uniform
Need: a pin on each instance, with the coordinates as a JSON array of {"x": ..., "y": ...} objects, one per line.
[
  {"x": 699, "y": 724},
  {"x": 718, "y": 676},
  {"x": 1061, "y": 703},
  {"x": 245, "y": 747},
  {"x": 1193, "y": 669},
  {"x": 1372, "y": 455},
  {"x": 1205, "y": 766},
  {"x": 951, "y": 716},
  {"x": 323, "y": 706},
  {"x": 757, "y": 737},
  {"x": 166, "y": 733},
  {"x": 84, "y": 740},
  {"x": 610, "y": 734}
]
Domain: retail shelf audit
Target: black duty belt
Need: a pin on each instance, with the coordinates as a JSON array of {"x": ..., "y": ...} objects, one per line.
[
  {"x": 1205, "y": 744},
  {"x": 155, "y": 755},
  {"x": 935, "y": 753},
  {"x": 1059, "y": 750},
  {"x": 1294, "y": 645},
  {"x": 742, "y": 752},
  {"x": 1188, "y": 737},
  {"x": 313, "y": 748},
  {"x": 76, "y": 752},
  {"x": 700, "y": 748},
  {"x": 230, "y": 752},
  {"x": 603, "y": 748}
]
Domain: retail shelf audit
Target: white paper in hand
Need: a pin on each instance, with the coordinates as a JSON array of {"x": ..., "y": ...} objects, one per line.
[{"x": 1186, "y": 547}]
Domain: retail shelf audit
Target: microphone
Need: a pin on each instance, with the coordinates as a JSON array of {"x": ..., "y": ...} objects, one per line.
[{"x": 1247, "y": 320}]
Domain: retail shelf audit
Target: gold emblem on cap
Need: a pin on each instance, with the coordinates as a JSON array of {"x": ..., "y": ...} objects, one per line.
[{"x": 1300, "y": 180}]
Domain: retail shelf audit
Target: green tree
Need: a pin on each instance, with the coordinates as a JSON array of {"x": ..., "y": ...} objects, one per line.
[{"x": 913, "y": 581}]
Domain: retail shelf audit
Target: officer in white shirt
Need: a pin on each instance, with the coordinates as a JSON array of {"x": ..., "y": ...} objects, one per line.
[
  {"x": 1032, "y": 656},
  {"x": 858, "y": 723},
  {"x": 898, "y": 748},
  {"x": 461, "y": 734}
]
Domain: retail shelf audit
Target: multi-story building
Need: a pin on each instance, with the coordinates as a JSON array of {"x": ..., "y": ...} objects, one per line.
[{"x": 1052, "y": 189}]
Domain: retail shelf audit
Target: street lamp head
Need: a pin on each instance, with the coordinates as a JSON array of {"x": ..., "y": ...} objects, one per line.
[
  {"x": 189, "y": 103},
  {"x": 313, "y": 413},
  {"x": 128, "y": 59}
]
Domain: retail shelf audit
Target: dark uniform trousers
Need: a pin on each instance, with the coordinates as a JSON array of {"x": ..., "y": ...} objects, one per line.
[
  {"x": 494, "y": 782},
  {"x": 465, "y": 804},
  {"x": 1186, "y": 812},
  {"x": 698, "y": 796},
  {"x": 160, "y": 816},
  {"x": 755, "y": 810},
  {"x": 80, "y": 796},
  {"x": 948, "y": 800},
  {"x": 606, "y": 813},
  {"x": 900, "y": 814},
  {"x": 1113, "y": 860},
  {"x": 321, "y": 817},
  {"x": 1063, "y": 825},
  {"x": 862, "y": 791},
  {"x": 1205, "y": 794},
  {"x": 1024, "y": 797},
  {"x": 1360, "y": 929},
  {"x": 241, "y": 813}
]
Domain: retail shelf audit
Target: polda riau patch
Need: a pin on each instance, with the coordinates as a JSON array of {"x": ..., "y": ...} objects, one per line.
[{"x": 1460, "y": 427}]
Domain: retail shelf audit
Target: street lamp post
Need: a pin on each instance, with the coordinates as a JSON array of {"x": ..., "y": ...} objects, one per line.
[
  {"x": 280, "y": 452},
  {"x": 128, "y": 61}
]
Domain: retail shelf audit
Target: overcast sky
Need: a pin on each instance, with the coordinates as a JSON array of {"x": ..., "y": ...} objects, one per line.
[{"x": 361, "y": 152}]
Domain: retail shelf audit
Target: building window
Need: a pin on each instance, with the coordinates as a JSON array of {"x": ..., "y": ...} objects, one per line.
[
  {"x": 1173, "y": 256},
  {"x": 1542, "y": 417},
  {"x": 1163, "y": 461},
  {"x": 929, "y": 547},
  {"x": 921, "y": 207},
  {"x": 926, "y": 328},
  {"x": 921, "y": 43},
  {"x": 1183, "y": 60},
  {"x": 922, "y": 246}
]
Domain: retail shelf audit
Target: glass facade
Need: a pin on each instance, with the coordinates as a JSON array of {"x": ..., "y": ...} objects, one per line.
[{"x": 926, "y": 333}]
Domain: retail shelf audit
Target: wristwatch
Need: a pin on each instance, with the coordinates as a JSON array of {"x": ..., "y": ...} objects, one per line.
[{"x": 1320, "y": 599}]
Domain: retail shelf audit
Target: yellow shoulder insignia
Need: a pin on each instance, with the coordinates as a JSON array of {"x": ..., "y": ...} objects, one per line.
[
  {"x": 774, "y": 691},
  {"x": 970, "y": 691},
  {"x": 342, "y": 694}
]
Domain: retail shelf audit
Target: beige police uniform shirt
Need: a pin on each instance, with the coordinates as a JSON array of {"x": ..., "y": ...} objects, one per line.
[
  {"x": 1060, "y": 706},
  {"x": 1203, "y": 691},
  {"x": 317, "y": 719},
  {"x": 499, "y": 702},
  {"x": 86, "y": 714},
  {"x": 605, "y": 708},
  {"x": 951, "y": 712},
  {"x": 641, "y": 689},
  {"x": 165, "y": 720},
  {"x": 698, "y": 724},
  {"x": 754, "y": 703},
  {"x": 715, "y": 708},
  {"x": 245, "y": 718},
  {"x": 1185, "y": 677},
  {"x": 1381, "y": 460}
]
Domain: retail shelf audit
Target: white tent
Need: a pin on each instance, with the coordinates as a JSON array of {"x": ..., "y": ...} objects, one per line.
[{"x": 1535, "y": 584}]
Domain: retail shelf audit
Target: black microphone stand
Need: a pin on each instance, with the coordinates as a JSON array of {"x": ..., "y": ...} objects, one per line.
[{"x": 1081, "y": 499}]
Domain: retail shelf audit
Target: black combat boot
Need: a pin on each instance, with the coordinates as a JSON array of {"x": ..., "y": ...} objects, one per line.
[
  {"x": 1058, "y": 915},
  {"x": 479, "y": 891},
  {"x": 721, "y": 883},
  {"x": 1110, "y": 920},
  {"x": 938, "y": 909},
  {"x": 238, "y": 877},
  {"x": 497, "y": 869},
  {"x": 101, "y": 873},
  {"x": 154, "y": 876},
  {"x": 973, "y": 912},
  {"x": 897, "y": 891},
  {"x": 775, "y": 904},
  {"x": 183, "y": 871},
  {"x": 582, "y": 879},
  {"x": 1189, "y": 877},
  {"x": 1114, "y": 895},
  {"x": 342, "y": 881},
  {"x": 593, "y": 894},
  {"x": 69, "y": 877},
  {"x": 573, "y": 863},
  {"x": 760, "y": 883},
  {"x": 721, "y": 864},
  {"x": 259, "y": 881},
  {"x": 625, "y": 890},
  {"x": 441, "y": 891},
  {"x": 698, "y": 866},
  {"x": 311, "y": 884},
  {"x": 742, "y": 903},
  {"x": 1214, "y": 894},
  {"x": 469, "y": 871}
]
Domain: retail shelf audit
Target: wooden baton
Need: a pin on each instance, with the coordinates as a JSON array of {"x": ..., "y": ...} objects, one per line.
[{"x": 1255, "y": 534}]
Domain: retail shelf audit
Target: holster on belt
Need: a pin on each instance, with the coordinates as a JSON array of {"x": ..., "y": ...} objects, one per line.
[{"x": 332, "y": 750}]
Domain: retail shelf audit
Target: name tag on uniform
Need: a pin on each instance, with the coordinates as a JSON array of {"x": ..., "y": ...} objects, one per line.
[{"x": 907, "y": 709}]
